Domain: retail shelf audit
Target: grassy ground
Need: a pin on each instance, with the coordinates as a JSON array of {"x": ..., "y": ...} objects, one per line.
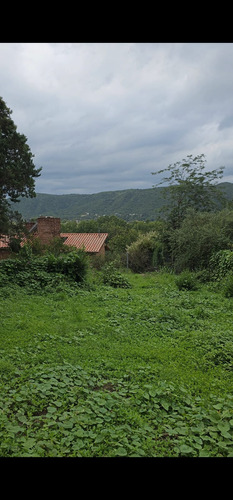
[{"x": 143, "y": 371}]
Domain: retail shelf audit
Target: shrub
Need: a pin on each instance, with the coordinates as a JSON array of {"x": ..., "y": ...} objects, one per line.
[
  {"x": 73, "y": 264},
  {"x": 203, "y": 276},
  {"x": 221, "y": 263},
  {"x": 186, "y": 281},
  {"x": 40, "y": 272},
  {"x": 142, "y": 251},
  {"x": 112, "y": 277},
  {"x": 97, "y": 261},
  {"x": 199, "y": 236},
  {"x": 228, "y": 286}
]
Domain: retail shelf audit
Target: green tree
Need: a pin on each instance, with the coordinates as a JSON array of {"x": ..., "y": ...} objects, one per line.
[
  {"x": 17, "y": 170},
  {"x": 124, "y": 237},
  {"x": 190, "y": 186},
  {"x": 69, "y": 226},
  {"x": 200, "y": 235}
]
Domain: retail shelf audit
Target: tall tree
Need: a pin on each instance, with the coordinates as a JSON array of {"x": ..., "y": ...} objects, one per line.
[
  {"x": 17, "y": 170},
  {"x": 190, "y": 186}
]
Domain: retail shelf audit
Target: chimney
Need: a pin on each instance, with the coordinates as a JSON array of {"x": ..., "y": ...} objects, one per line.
[
  {"x": 29, "y": 226},
  {"x": 48, "y": 228}
]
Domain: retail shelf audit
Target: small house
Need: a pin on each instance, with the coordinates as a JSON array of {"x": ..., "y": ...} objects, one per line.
[{"x": 47, "y": 228}]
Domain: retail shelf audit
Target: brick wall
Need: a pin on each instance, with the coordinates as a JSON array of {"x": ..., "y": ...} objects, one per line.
[
  {"x": 48, "y": 228},
  {"x": 29, "y": 225},
  {"x": 45, "y": 228}
]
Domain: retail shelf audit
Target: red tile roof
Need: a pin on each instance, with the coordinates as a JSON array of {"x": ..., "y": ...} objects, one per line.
[{"x": 92, "y": 242}]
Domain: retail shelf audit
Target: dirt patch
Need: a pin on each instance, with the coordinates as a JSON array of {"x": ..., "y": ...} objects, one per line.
[{"x": 106, "y": 387}]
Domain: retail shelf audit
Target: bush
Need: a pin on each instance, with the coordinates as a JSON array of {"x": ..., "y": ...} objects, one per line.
[
  {"x": 186, "y": 281},
  {"x": 228, "y": 286},
  {"x": 97, "y": 261},
  {"x": 142, "y": 252},
  {"x": 112, "y": 277},
  {"x": 73, "y": 264},
  {"x": 199, "y": 236},
  {"x": 46, "y": 271},
  {"x": 221, "y": 264},
  {"x": 203, "y": 276}
]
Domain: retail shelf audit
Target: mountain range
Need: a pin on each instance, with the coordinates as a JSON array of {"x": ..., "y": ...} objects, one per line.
[{"x": 129, "y": 204}]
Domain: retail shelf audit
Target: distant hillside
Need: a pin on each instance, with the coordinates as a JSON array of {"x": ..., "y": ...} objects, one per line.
[{"x": 129, "y": 204}]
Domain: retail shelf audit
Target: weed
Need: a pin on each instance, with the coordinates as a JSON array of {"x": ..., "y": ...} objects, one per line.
[
  {"x": 112, "y": 277},
  {"x": 186, "y": 281},
  {"x": 140, "y": 371}
]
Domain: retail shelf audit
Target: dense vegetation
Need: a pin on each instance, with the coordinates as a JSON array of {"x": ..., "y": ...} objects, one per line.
[
  {"x": 47, "y": 272},
  {"x": 98, "y": 370},
  {"x": 154, "y": 244},
  {"x": 99, "y": 361}
]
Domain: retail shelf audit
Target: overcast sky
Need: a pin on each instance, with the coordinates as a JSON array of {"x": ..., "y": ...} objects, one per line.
[{"x": 103, "y": 116}]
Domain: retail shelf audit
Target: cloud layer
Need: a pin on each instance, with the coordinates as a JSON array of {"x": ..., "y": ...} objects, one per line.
[{"x": 103, "y": 116}]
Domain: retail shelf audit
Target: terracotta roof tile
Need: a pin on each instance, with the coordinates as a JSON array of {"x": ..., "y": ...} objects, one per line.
[{"x": 92, "y": 242}]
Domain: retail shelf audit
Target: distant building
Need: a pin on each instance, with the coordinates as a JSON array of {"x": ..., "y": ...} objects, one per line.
[{"x": 47, "y": 228}]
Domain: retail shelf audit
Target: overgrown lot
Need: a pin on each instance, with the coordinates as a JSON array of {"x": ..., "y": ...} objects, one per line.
[{"x": 100, "y": 371}]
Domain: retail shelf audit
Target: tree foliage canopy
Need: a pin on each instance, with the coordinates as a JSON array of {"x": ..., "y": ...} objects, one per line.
[
  {"x": 199, "y": 236},
  {"x": 17, "y": 170},
  {"x": 190, "y": 186}
]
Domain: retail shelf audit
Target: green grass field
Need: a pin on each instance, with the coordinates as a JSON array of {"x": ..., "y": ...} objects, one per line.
[{"x": 109, "y": 372}]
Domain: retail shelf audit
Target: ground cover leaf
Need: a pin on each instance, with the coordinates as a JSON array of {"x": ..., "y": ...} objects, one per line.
[{"x": 117, "y": 378}]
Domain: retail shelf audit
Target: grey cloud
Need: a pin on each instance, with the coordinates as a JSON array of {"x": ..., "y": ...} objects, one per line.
[
  {"x": 226, "y": 122},
  {"x": 104, "y": 116}
]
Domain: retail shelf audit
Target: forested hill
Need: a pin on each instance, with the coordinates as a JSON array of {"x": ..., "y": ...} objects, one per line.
[{"x": 129, "y": 204}]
